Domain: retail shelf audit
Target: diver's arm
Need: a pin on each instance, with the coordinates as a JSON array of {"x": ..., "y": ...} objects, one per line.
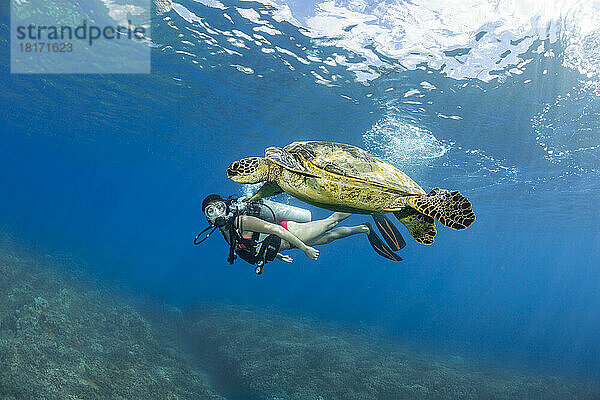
[{"x": 253, "y": 224}]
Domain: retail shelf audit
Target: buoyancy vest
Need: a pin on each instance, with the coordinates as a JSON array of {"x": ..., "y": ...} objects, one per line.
[{"x": 252, "y": 250}]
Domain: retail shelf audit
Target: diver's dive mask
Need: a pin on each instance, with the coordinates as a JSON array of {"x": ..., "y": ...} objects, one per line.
[{"x": 216, "y": 214}]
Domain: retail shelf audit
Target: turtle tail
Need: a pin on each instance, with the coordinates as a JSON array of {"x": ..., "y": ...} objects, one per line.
[{"x": 449, "y": 207}]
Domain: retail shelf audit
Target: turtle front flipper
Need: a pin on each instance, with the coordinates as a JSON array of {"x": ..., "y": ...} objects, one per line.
[
  {"x": 267, "y": 190},
  {"x": 421, "y": 227},
  {"x": 286, "y": 160},
  {"x": 449, "y": 207}
]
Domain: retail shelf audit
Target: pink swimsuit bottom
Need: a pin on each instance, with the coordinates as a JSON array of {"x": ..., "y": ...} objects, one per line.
[{"x": 284, "y": 224}]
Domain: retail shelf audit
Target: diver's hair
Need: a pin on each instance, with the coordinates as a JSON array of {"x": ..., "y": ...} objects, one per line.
[{"x": 211, "y": 198}]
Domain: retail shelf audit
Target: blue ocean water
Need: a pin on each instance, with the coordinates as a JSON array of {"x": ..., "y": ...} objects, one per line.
[{"x": 113, "y": 168}]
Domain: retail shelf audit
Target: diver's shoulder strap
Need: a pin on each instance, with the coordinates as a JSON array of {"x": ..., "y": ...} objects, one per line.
[
  {"x": 232, "y": 242},
  {"x": 244, "y": 247}
]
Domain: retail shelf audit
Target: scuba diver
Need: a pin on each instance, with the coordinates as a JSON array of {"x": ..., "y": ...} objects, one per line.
[{"x": 257, "y": 231}]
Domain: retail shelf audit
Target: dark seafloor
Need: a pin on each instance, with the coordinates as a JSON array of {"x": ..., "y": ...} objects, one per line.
[{"x": 63, "y": 336}]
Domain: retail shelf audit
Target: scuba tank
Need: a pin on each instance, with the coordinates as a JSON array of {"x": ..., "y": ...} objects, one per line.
[{"x": 283, "y": 212}]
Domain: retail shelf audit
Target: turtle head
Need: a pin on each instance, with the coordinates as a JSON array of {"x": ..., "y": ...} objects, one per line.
[{"x": 249, "y": 170}]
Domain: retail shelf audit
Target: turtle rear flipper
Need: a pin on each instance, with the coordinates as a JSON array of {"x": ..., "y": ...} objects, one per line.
[
  {"x": 420, "y": 226},
  {"x": 449, "y": 207}
]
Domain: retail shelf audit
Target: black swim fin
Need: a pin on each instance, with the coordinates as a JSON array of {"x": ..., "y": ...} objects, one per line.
[
  {"x": 380, "y": 247},
  {"x": 390, "y": 233}
]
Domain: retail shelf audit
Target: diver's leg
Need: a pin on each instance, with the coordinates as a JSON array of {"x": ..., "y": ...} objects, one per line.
[
  {"x": 338, "y": 233},
  {"x": 307, "y": 231}
]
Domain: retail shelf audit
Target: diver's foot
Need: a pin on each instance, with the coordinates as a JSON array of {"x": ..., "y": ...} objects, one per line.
[{"x": 365, "y": 228}]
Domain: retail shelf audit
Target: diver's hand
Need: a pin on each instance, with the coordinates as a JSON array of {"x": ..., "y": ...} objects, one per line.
[
  {"x": 311, "y": 252},
  {"x": 284, "y": 258}
]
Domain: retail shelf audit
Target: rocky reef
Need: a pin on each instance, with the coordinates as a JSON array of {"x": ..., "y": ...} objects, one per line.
[
  {"x": 63, "y": 336},
  {"x": 64, "y": 339},
  {"x": 276, "y": 357}
]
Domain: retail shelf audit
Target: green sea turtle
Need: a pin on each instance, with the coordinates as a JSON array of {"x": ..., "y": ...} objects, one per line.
[{"x": 341, "y": 177}]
